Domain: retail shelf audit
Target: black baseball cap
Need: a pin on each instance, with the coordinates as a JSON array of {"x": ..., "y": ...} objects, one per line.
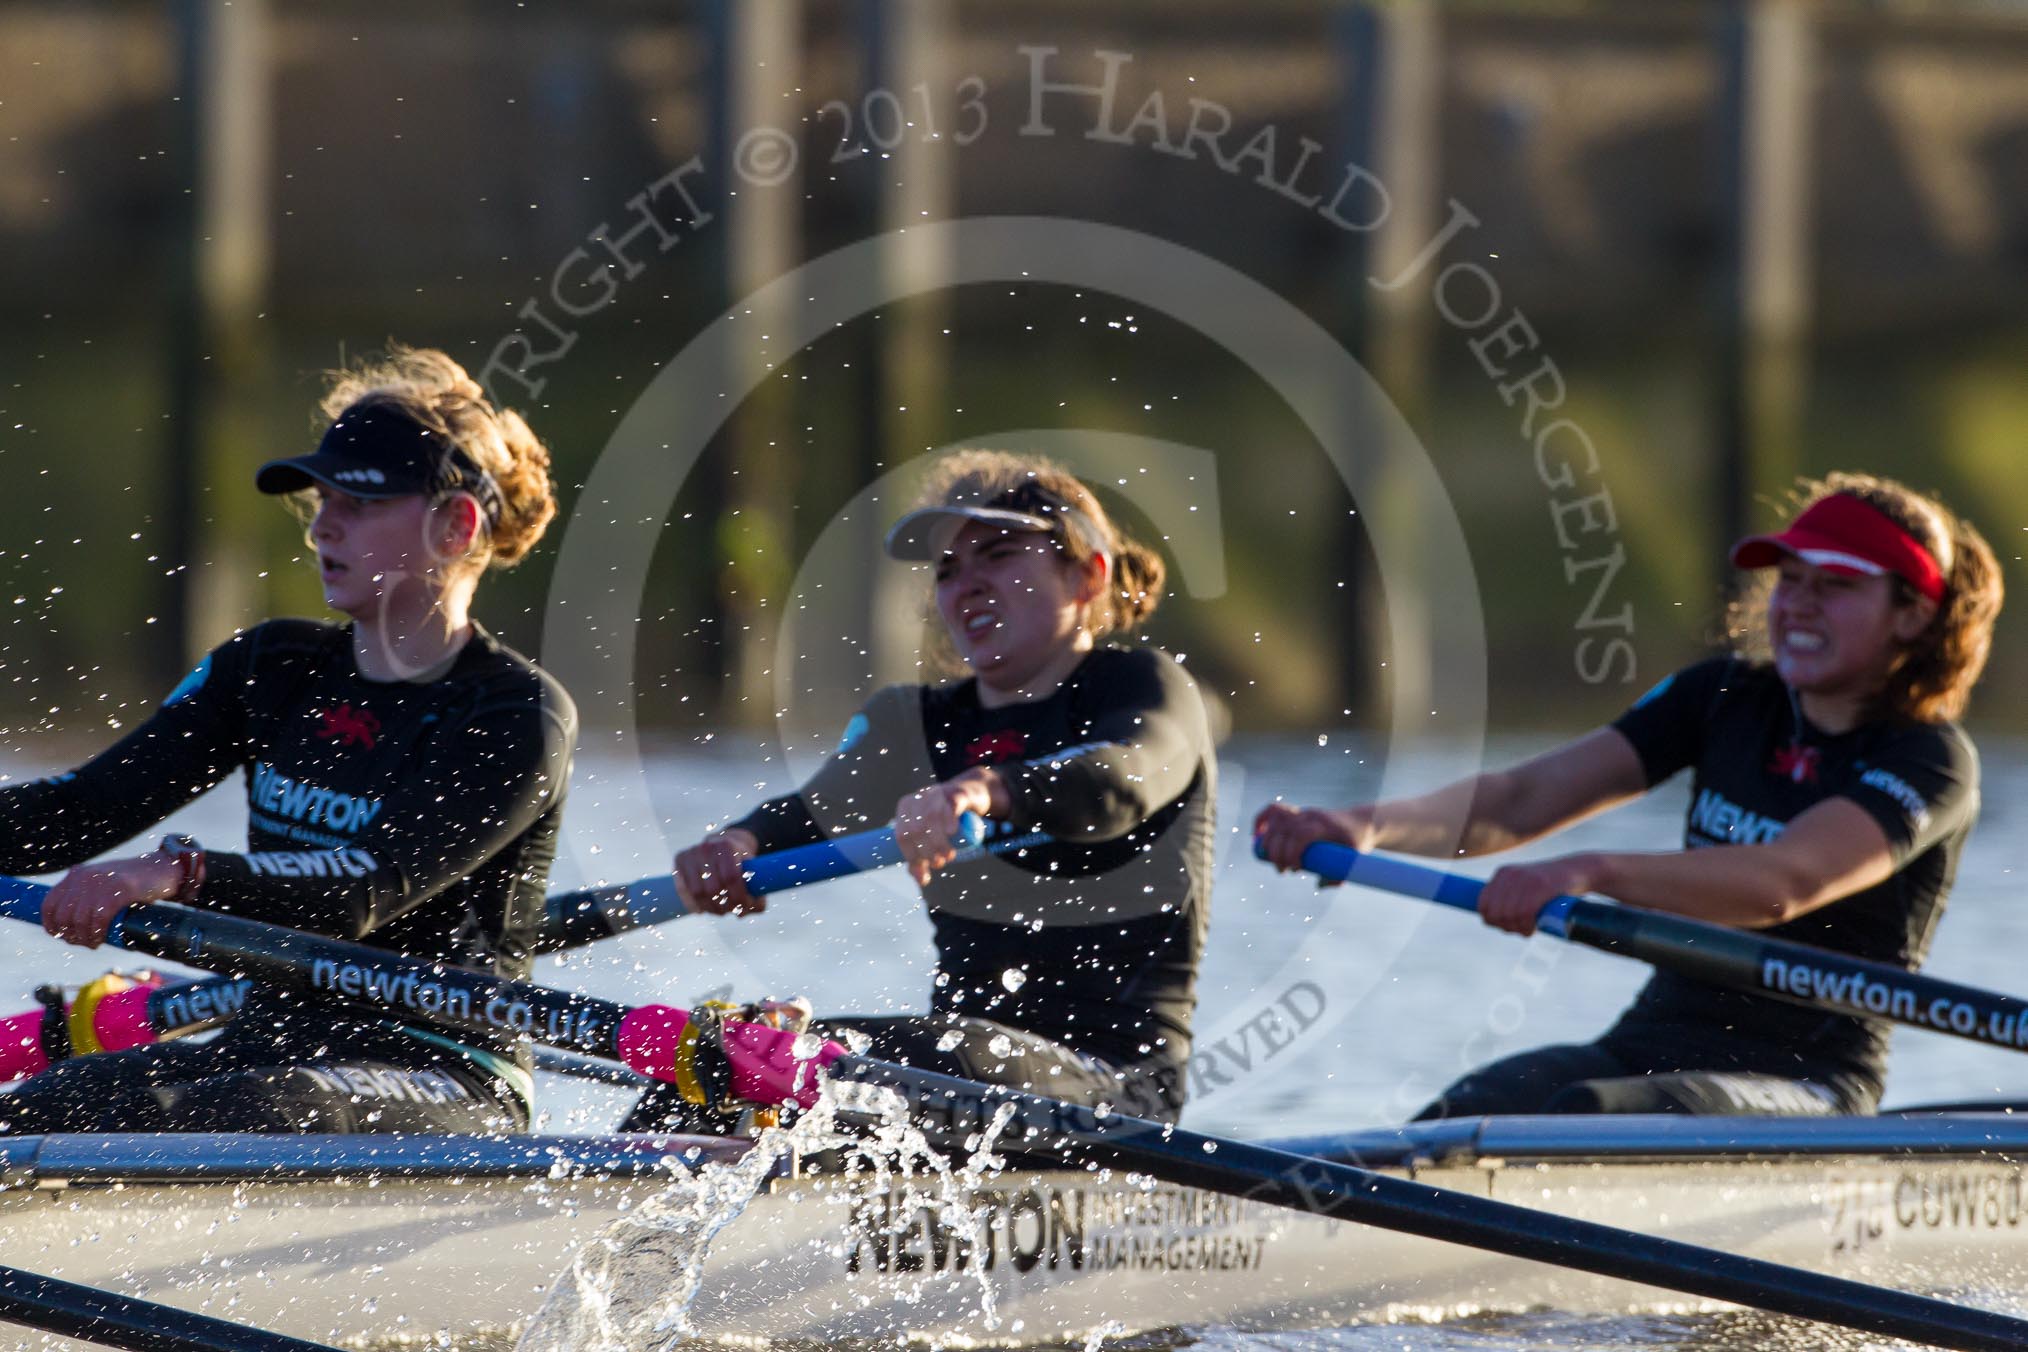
[
  {"x": 924, "y": 534},
  {"x": 375, "y": 450}
]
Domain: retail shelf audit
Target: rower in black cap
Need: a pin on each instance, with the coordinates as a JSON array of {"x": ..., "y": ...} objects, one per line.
[{"x": 405, "y": 778}]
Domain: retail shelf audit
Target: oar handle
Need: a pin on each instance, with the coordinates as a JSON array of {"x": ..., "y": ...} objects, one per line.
[
  {"x": 828, "y": 859},
  {"x": 574, "y": 919},
  {"x": 1343, "y": 864},
  {"x": 22, "y": 900}
]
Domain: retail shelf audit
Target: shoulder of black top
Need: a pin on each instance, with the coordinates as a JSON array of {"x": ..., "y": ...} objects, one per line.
[{"x": 499, "y": 677}]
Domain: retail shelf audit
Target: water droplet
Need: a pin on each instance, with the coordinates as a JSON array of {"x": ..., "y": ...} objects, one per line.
[
  {"x": 949, "y": 1041},
  {"x": 1001, "y": 1045},
  {"x": 1014, "y": 978}
]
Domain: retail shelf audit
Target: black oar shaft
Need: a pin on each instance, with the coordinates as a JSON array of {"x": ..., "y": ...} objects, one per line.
[
  {"x": 374, "y": 978},
  {"x": 1343, "y": 1192},
  {"x": 113, "y": 1320},
  {"x": 1812, "y": 977},
  {"x": 186, "y": 1007}
]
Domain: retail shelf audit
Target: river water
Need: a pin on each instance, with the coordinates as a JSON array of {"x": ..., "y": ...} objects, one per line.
[
  {"x": 1411, "y": 994},
  {"x": 1392, "y": 997}
]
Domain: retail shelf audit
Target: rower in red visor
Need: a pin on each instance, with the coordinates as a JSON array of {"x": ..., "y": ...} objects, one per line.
[{"x": 1831, "y": 794}]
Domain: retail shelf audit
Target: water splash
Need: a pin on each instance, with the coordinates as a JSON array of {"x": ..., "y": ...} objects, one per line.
[
  {"x": 631, "y": 1288},
  {"x": 616, "y": 1296},
  {"x": 896, "y": 1155},
  {"x": 1095, "y": 1340}
]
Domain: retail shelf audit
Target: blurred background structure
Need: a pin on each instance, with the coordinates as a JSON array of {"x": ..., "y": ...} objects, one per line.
[{"x": 1726, "y": 244}]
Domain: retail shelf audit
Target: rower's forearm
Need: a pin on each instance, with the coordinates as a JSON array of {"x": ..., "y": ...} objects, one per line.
[
  {"x": 780, "y": 824},
  {"x": 1747, "y": 886},
  {"x": 1481, "y": 815}
]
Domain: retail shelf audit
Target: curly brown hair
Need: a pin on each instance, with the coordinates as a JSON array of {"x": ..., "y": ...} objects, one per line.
[
  {"x": 1033, "y": 483},
  {"x": 1933, "y": 680},
  {"x": 433, "y": 389}
]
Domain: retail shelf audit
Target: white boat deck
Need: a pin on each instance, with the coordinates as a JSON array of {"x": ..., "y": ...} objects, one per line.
[{"x": 346, "y": 1238}]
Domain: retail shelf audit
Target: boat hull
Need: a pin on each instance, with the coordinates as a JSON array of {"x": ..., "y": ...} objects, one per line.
[{"x": 346, "y": 1239}]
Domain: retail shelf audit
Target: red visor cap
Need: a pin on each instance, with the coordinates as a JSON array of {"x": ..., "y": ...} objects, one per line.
[{"x": 1844, "y": 534}]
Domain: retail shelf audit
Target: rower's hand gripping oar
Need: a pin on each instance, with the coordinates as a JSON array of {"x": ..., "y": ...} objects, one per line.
[
  {"x": 577, "y": 918},
  {"x": 768, "y": 1065},
  {"x": 1737, "y": 959}
]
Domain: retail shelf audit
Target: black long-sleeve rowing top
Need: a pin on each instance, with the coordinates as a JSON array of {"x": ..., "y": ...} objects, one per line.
[
  {"x": 419, "y": 817},
  {"x": 1758, "y": 763},
  {"x": 1093, "y": 936}
]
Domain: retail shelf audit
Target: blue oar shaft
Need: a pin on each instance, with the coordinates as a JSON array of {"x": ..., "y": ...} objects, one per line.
[
  {"x": 1737, "y": 959},
  {"x": 578, "y": 918}
]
